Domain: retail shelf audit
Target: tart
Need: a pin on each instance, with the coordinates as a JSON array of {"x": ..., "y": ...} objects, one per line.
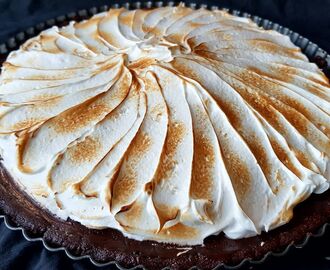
[{"x": 182, "y": 134}]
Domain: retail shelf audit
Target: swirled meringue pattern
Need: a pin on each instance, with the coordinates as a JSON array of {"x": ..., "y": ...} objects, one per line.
[{"x": 169, "y": 124}]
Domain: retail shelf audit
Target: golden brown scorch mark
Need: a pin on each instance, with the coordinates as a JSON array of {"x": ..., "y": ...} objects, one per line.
[
  {"x": 165, "y": 213},
  {"x": 148, "y": 188},
  {"x": 140, "y": 145},
  {"x": 125, "y": 184},
  {"x": 280, "y": 71},
  {"x": 284, "y": 157},
  {"x": 21, "y": 143},
  {"x": 260, "y": 153},
  {"x": 48, "y": 103},
  {"x": 324, "y": 81},
  {"x": 132, "y": 213},
  {"x": 300, "y": 107},
  {"x": 44, "y": 97},
  {"x": 124, "y": 187},
  {"x": 78, "y": 117},
  {"x": 272, "y": 48},
  {"x": 185, "y": 70},
  {"x": 9, "y": 67},
  {"x": 24, "y": 124},
  {"x": 157, "y": 111},
  {"x": 317, "y": 91},
  {"x": 141, "y": 63},
  {"x": 239, "y": 174},
  {"x": 85, "y": 151},
  {"x": 175, "y": 134},
  {"x": 179, "y": 231},
  {"x": 126, "y": 19},
  {"x": 203, "y": 164},
  {"x": 257, "y": 77},
  {"x": 48, "y": 43},
  {"x": 305, "y": 161}
]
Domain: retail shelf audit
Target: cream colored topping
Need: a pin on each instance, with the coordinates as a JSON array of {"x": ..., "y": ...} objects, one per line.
[{"x": 169, "y": 124}]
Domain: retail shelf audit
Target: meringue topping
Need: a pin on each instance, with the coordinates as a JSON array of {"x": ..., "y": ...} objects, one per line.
[{"x": 168, "y": 124}]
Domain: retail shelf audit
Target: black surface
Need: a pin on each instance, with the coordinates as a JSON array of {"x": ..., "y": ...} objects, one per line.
[{"x": 309, "y": 18}]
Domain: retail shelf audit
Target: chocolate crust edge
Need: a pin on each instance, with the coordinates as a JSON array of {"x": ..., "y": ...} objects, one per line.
[{"x": 111, "y": 245}]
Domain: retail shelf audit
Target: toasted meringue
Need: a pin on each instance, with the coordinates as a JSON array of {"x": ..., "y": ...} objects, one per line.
[{"x": 168, "y": 124}]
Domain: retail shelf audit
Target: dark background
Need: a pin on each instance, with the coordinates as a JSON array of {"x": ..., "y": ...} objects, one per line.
[{"x": 310, "y": 18}]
